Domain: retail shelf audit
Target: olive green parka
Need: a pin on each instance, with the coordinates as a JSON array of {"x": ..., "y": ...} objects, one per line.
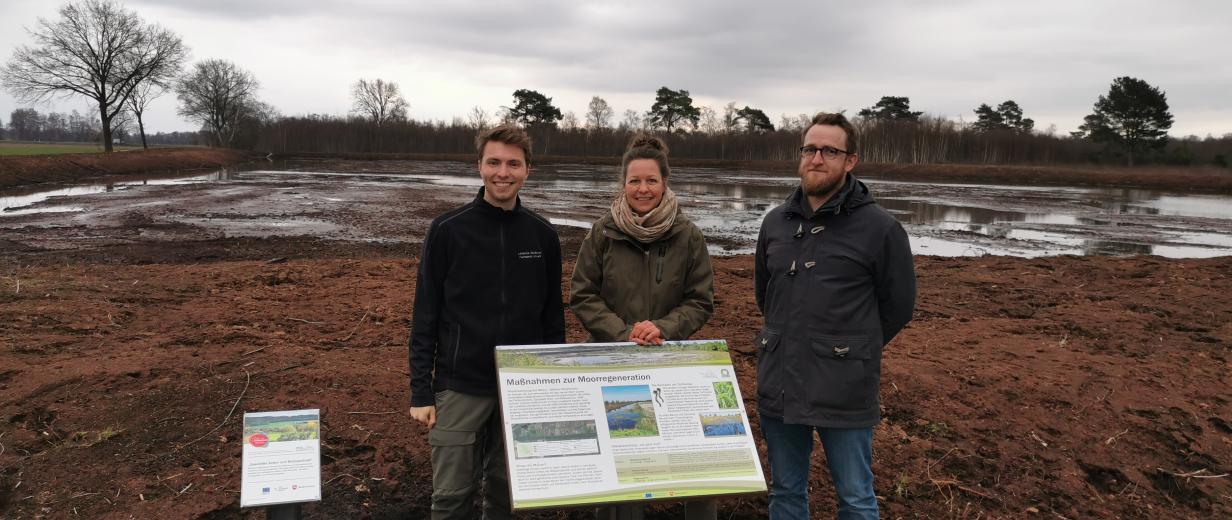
[{"x": 618, "y": 281}]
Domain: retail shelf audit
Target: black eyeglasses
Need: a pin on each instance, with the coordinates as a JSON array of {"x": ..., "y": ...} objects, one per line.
[{"x": 827, "y": 152}]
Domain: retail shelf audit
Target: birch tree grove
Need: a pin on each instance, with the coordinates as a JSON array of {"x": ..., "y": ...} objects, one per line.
[{"x": 96, "y": 49}]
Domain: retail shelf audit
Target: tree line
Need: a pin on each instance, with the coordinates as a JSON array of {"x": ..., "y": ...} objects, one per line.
[
  {"x": 931, "y": 140},
  {"x": 102, "y": 51},
  {"x": 28, "y": 124},
  {"x": 1129, "y": 123}
]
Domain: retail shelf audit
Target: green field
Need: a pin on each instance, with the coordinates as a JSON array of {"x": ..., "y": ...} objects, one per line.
[
  {"x": 616, "y": 356},
  {"x": 293, "y": 430},
  {"x": 20, "y": 148}
]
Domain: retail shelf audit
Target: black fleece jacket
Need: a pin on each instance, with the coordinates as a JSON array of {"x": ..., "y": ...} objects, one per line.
[{"x": 486, "y": 277}]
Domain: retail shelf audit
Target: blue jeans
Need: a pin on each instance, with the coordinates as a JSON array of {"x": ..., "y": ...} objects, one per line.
[{"x": 849, "y": 454}]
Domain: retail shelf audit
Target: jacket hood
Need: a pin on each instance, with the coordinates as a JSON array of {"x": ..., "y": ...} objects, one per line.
[{"x": 852, "y": 195}]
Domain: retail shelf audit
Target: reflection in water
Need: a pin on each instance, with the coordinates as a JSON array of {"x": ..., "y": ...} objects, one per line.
[
  {"x": 19, "y": 202},
  {"x": 1193, "y": 205},
  {"x": 1066, "y": 220},
  {"x": 11, "y": 204},
  {"x": 1101, "y": 247},
  {"x": 624, "y": 418},
  {"x": 1125, "y": 208},
  {"x": 569, "y": 222},
  {"x": 728, "y": 205},
  {"x": 1187, "y": 251}
]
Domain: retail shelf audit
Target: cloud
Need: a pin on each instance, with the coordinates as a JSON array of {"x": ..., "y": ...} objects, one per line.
[{"x": 1054, "y": 57}]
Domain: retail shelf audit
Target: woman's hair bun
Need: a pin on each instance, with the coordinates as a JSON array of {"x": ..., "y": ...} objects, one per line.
[{"x": 648, "y": 141}]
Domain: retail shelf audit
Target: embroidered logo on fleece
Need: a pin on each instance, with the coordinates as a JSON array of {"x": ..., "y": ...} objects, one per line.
[{"x": 529, "y": 255}]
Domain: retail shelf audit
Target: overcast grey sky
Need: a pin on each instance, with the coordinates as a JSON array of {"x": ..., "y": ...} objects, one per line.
[{"x": 1054, "y": 57}]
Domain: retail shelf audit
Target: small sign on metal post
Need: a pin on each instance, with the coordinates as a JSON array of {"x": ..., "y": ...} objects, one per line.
[{"x": 281, "y": 461}]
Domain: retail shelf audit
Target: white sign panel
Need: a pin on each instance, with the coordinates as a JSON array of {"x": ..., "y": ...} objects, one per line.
[
  {"x": 601, "y": 423},
  {"x": 282, "y": 458}
]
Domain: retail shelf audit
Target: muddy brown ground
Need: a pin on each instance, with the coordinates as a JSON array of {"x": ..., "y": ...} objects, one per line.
[
  {"x": 22, "y": 170},
  {"x": 1073, "y": 387}
]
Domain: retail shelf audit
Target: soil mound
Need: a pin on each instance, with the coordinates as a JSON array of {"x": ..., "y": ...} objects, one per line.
[{"x": 17, "y": 170}]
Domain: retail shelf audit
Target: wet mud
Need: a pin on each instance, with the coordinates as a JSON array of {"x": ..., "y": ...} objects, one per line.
[{"x": 378, "y": 201}]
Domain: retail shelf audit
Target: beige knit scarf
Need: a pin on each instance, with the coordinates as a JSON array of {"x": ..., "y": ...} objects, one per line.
[{"x": 649, "y": 227}]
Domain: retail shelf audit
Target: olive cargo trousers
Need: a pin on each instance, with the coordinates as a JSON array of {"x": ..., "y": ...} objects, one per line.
[{"x": 468, "y": 455}]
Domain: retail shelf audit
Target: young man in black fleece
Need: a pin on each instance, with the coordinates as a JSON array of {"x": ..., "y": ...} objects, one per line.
[{"x": 489, "y": 275}]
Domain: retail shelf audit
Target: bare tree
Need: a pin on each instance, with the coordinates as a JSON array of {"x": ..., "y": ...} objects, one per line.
[
  {"x": 120, "y": 125},
  {"x": 731, "y": 117},
  {"x": 803, "y": 121},
  {"x": 140, "y": 99},
  {"x": 97, "y": 49},
  {"x": 632, "y": 121},
  {"x": 506, "y": 116},
  {"x": 218, "y": 94},
  {"x": 598, "y": 113},
  {"x": 478, "y": 118},
  {"x": 796, "y": 123},
  {"x": 710, "y": 121},
  {"x": 569, "y": 122},
  {"x": 379, "y": 100}
]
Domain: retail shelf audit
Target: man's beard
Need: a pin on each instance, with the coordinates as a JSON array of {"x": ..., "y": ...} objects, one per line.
[{"x": 820, "y": 188}]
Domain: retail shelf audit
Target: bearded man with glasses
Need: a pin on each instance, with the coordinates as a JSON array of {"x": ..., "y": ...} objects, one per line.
[{"x": 836, "y": 282}]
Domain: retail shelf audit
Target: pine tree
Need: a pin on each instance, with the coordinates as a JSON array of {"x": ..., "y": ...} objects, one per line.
[{"x": 1133, "y": 116}]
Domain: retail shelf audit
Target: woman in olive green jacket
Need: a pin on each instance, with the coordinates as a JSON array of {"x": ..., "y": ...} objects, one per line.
[{"x": 643, "y": 273}]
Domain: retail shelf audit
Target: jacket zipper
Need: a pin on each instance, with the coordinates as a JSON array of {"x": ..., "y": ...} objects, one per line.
[
  {"x": 503, "y": 302},
  {"x": 659, "y": 263},
  {"x": 646, "y": 264},
  {"x": 649, "y": 285},
  {"x": 457, "y": 344}
]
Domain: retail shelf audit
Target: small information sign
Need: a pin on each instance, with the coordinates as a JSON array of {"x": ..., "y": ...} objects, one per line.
[{"x": 282, "y": 458}]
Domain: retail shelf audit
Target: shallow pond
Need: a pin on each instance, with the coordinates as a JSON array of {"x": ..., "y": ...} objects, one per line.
[
  {"x": 624, "y": 418},
  {"x": 944, "y": 219}
]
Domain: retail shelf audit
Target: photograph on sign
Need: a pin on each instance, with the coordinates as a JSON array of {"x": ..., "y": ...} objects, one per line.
[
  {"x": 596, "y": 423},
  {"x": 281, "y": 458}
]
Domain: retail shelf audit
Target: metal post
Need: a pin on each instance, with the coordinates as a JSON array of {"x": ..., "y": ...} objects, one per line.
[
  {"x": 701, "y": 509},
  {"x": 283, "y": 512},
  {"x": 621, "y": 512}
]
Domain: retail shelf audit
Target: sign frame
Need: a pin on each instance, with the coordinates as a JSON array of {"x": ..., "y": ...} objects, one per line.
[
  {"x": 281, "y": 459},
  {"x": 589, "y": 424}
]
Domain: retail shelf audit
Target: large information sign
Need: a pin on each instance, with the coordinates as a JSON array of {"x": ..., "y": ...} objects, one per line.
[
  {"x": 282, "y": 458},
  {"x": 614, "y": 422}
]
